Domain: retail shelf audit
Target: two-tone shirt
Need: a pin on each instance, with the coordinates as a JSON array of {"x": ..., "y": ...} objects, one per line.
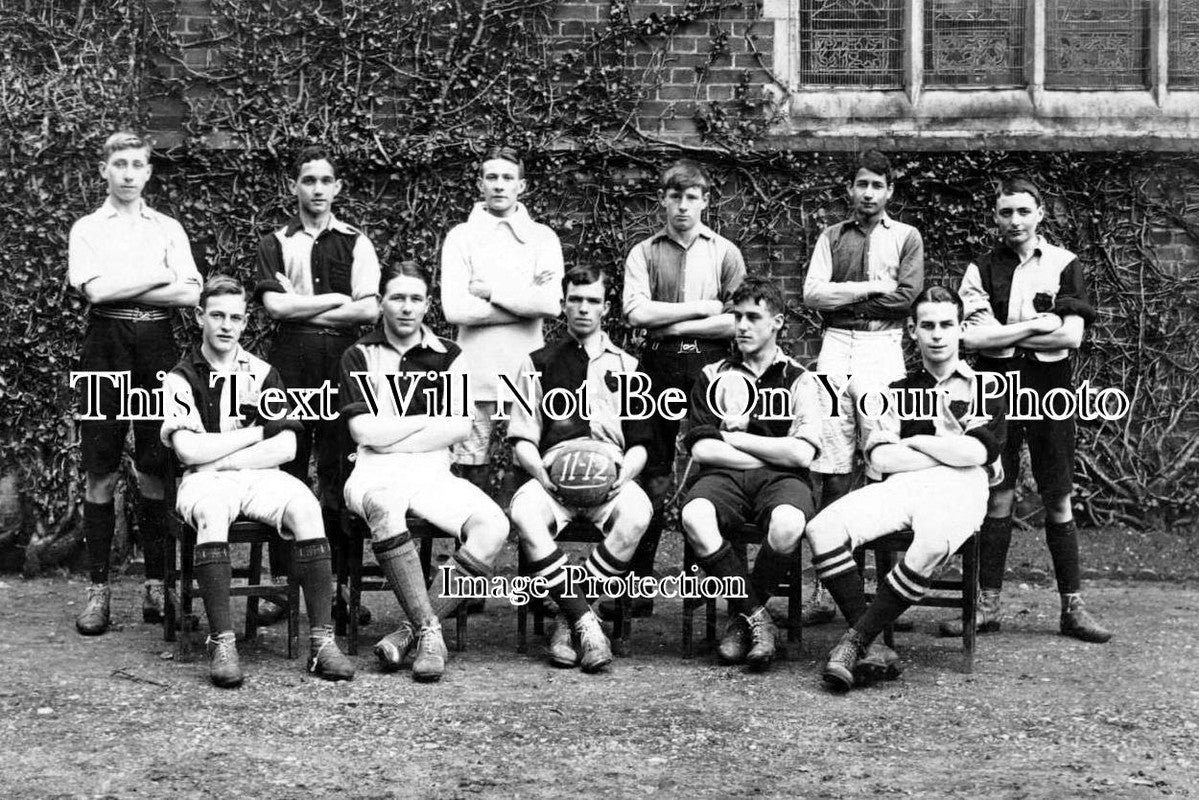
[
  {"x": 427, "y": 379},
  {"x": 197, "y": 403},
  {"x": 662, "y": 269},
  {"x": 109, "y": 243},
  {"x": 781, "y": 400},
  {"x": 521, "y": 262},
  {"x": 1000, "y": 288},
  {"x": 920, "y": 404},
  {"x": 849, "y": 255},
  {"x": 562, "y": 368},
  {"x": 338, "y": 259}
]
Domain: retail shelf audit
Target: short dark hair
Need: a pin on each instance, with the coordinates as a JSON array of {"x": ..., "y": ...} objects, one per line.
[
  {"x": 937, "y": 294},
  {"x": 585, "y": 276},
  {"x": 404, "y": 269},
  {"x": 759, "y": 289},
  {"x": 313, "y": 152},
  {"x": 218, "y": 285},
  {"x": 1018, "y": 185},
  {"x": 871, "y": 161},
  {"x": 505, "y": 153},
  {"x": 685, "y": 174},
  {"x": 125, "y": 140}
]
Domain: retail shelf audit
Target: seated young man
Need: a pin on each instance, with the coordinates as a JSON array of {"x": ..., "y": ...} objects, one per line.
[
  {"x": 938, "y": 473},
  {"x": 232, "y": 471},
  {"x": 586, "y": 357},
  {"x": 755, "y": 428},
  {"x": 403, "y": 465}
]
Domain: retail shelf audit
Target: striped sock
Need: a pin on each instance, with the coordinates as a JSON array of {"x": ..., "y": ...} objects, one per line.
[
  {"x": 552, "y": 569},
  {"x": 601, "y": 564},
  {"x": 897, "y": 592},
  {"x": 838, "y": 571},
  {"x": 724, "y": 563},
  {"x": 465, "y": 565}
]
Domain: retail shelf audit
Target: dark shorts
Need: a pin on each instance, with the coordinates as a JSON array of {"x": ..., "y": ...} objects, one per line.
[
  {"x": 673, "y": 365},
  {"x": 1050, "y": 441},
  {"x": 143, "y": 349},
  {"x": 305, "y": 360},
  {"x": 751, "y": 495}
]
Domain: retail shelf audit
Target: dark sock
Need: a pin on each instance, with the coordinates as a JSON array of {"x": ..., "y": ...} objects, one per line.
[
  {"x": 839, "y": 573},
  {"x": 642, "y": 562},
  {"x": 400, "y": 562},
  {"x": 213, "y": 575},
  {"x": 152, "y": 524},
  {"x": 994, "y": 539},
  {"x": 897, "y": 592},
  {"x": 724, "y": 563},
  {"x": 601, "y": 564},
  {"x": 1062, "y": 538},
  {"x": 99, "y": 523},
  {"x": 277, "y": 557},
  {"x": 462, "y": 565},
  {"x": 314, "y": 571},
  {"x": 568, "y": 595},
  {"x": 771, "y": 568}
]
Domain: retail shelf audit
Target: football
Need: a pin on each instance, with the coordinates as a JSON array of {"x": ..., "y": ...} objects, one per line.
[{"x": 583, "y": 470}]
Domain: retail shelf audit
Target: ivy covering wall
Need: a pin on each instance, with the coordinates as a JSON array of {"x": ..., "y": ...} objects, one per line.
[{"x": 410, "y": 93}]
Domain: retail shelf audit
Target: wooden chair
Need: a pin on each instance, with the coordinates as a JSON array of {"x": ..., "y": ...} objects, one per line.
[
  {"x": 964, "y": 591},
  {"x": 358, "y": 577},
  {"x": 740, "y": 540},
  {"x": 178, "y": 623}
]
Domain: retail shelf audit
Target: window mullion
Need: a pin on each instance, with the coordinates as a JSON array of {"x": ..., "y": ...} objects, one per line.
[
  {"x": 1035, "y": 52},
  {"x": 913, "y": 77},
  {"x": 1159, "y": 49}
]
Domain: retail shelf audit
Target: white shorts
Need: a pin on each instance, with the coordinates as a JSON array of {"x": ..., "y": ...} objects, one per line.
[
  {"x": 473, "y": 450},
  {"x": 262, "y": 495},
  {"x": 631, "y": 500},
  {"x": 943, "y": 506},
  {"x": 385, "y": 488},
  {"x": 871, "y": 357}
]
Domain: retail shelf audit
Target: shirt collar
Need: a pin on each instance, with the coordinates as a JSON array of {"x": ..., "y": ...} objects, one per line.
[
  {"x": 702, "y": 231},
  {"x": 144, "y": 211},
  {"x": 885, "y": 220},
  {"x": 604, "y": 345},
  {"x": 519, "y": 221},
  {"x": 962, "y": 370},
  {"x": 295, "y": 225},
  {"x": 1037, "y": 251},
  {"x": 428, "y": 339},
  {"x": 737, "y": 360},
  {"x": 197, "y": 357}
]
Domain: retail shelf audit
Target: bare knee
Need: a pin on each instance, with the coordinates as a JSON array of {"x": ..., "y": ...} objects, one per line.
[
  {"x": 382, "y": 516},
  {"x": 485, "y": 533},
  {"x": 211, "y": 523},
  {"x": 303, "y": 517},
  {"x": 1059, "y": 509},
  {"x": 786, "y": 528},
  {"x": 99, "y": 487},
  {"x": 999, "y": 504}
]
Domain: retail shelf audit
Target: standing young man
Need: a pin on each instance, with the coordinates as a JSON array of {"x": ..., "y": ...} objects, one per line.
[
  {"x": 133, "y": 265},
  {"x": 939, "y": 458},
  {"x": 753, "y": 454},
  {"x": 1026, "y": 310},
  {"x": 401, "y": 395},
  {"x": 678, "y": 284},
  {"x": 501, "y": 276},
  {"x": 317, "y": 276},
  {"x": 585, "y": 362},
  {"x": 863, "y": 276},
  {"x": 232, "y": 457}
]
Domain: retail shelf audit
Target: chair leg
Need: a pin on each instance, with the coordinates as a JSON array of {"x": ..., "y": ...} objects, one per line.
[
  {"x": 169, "y": 581},
  {"x": 254, "y": 579},
  {"x": 187, "y": 557},
  {"x": 622, "y": 625},
  {"x": 795, "y": 601},
  {"x": 883, "y": 563},
  {"x": 460, "y": 635},
  {"x": 355, "y": 546},
  {"x": 293, "y": 603},
  {"x": 341, "y": 609},
  {"x": 522, "y": 611},
  {"x": 969, "y": 600}
]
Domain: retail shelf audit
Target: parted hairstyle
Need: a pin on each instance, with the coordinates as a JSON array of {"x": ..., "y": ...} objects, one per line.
[
  {"x": 1018, "y": 185},
  {"x": 125, "y": 140},
  {"x": 872, "y": 161},
  {"x": 405, "y": 269},
  {"x": 505, "y": 153},
  {"x": 757, "y": 289},
  {"x": 218, "y": 285},
  {"x": 937, "y": 294},
  {"x": 585, "y": 276},
  {"x": 313, "y": 152},
  {"x": 684, "y": 174}
]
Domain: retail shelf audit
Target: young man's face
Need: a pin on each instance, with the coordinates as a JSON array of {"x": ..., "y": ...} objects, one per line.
[
  {"x": 222, "y": 319},
  {"x": 1018, "y": 216},
  {"x": 756, "y": 326},
  {"x": 501, "y": 184},
  {"x": 404, "y": 304},
  {"x": 127, "y": 172},
  {"x": 316, "y": 186},
  {"x": 936, "y": 331},
  {"x": 869, "y": 193},
  {"x": 684, "y": 207},
  {"x": 585, "y": 307}
]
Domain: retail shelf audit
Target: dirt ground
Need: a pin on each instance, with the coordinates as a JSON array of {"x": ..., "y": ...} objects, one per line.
[{"x": 1041, "y": 715}]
